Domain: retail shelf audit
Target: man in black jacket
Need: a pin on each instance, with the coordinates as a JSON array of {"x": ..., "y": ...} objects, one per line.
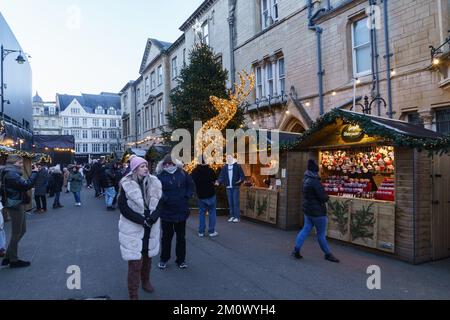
[
  {"x": 315, "y": 212},
  {"x": 108, "y": 181},
  {"x": 205, "y": 180},
  {"x": 13, "y": 190},
  {"x": 96, "y": 177}
]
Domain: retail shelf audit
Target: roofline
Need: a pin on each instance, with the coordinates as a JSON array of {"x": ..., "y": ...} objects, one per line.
[
  {"x": 130, "y": 83},
  {"x": 176, "y": 44},
  {"x": 200, "y": 10},
  {"x": 153, "y": 41}
]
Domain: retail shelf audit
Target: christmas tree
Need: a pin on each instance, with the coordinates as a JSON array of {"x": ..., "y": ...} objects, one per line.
[{"x": 201, "y": 79}]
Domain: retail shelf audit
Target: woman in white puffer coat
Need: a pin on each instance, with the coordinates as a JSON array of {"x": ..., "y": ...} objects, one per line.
[{"x": 139, "y": 225}]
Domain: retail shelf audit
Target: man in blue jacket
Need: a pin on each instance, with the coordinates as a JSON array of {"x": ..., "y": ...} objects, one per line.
[
  {"x": 178, "y": 188},
  {"x": 232, "y": 176}
]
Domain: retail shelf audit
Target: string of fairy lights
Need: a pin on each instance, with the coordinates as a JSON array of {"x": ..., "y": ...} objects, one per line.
[{"x": 145, "y": 140}]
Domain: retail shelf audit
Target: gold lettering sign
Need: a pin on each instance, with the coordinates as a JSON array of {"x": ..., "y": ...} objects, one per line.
[{"x": 352, "y": 133}]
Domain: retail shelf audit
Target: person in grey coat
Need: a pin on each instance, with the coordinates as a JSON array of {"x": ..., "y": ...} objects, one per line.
[{"x": 40, "y": 188}]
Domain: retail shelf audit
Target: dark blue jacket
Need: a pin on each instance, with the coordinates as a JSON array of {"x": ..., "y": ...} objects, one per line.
[
  {"x": 238, "y": 176},
  {"x": 314, "y": 195},
  {"x": 40, "y": 187},
  {"x": 177, "y": 189}
]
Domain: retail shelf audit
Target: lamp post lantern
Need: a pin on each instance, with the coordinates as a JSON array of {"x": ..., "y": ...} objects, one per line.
[{"x": 20, "y": 60}]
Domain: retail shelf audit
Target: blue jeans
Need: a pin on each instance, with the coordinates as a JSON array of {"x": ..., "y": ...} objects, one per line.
[
  {"x": 210, "y": 206},
  {"x": 233, "y": 202},
  {"x": 110, "y": 193},
  {"x": 2, "y": 233},
  {"x": 77, "y": 196},
  {"x": 321, "y": 226}
]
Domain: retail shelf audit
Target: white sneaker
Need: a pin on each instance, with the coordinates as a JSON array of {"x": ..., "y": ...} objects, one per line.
[
  {"x": 201, "y": 235},
  {"x": 235, "y": 220},
  {"x": 231, "y": 219},
  {"x": 214, "y": 234},
  {"x": 78, "y": 204}
]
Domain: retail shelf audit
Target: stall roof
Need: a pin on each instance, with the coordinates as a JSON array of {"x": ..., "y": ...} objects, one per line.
[
  {"x": 51, "y": 142},
  {"x": 399, "y": 133}
]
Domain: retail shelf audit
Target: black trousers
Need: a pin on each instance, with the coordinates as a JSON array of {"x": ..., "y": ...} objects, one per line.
[
  {"x": 168, "y": 230},
  {"x": 97, "y": 186},
  {"x": 41, "y": 202}
]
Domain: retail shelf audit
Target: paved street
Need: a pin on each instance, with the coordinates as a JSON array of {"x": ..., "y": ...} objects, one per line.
[{"x": 247, "y": 261}]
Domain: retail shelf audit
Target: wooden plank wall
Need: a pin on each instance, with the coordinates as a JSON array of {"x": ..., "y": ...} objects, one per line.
[
  {"x": 404, "y": 164},
  {"x": 290, "y": 214},
  {"x": 424, "y": 204},
  {"x": 441, "y": 210},
  {"x": 407, "y": 161}
]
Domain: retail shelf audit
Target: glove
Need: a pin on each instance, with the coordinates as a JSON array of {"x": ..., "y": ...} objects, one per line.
[{"x": 149, "y": 219}]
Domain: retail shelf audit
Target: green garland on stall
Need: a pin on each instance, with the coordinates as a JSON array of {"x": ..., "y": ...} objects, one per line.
[
  {"x": 433, "y": 145},
  {"x": 21, "y": 153}
]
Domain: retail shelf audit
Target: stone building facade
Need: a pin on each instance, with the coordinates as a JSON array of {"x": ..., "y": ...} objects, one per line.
[
  {"x": 312, "y": 56},
  {"x": 46, "y": 120}
]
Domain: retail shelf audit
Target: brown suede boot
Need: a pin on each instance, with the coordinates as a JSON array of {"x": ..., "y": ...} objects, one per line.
[
  {"x": 134, "y": 269},
  {"x": 145, "y": 274}
]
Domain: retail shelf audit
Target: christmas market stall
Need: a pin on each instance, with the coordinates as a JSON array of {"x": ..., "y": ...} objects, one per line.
[
  {"x": 273, "y": 199},
  {"x": 15, "y": 140},
  {"x": 61, "y": 149},
  {"x": 378, "y": 173}
]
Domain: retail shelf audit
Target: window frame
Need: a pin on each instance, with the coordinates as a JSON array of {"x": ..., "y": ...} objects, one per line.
[
  {"x": 147, "y": 86},
  {"x": 161, "y": 112},
  {"x": 205, "y": 35},
  {"x": 281, "y": 76},
  {"x": 355, "y": 72},
  {"x": 259, "y": 82},
  {"x": 439, "y": 123},
  {"x": 270, "y": 83},
  {"x": 160, "y": 75},
  {"x": 174, "y": 68}
]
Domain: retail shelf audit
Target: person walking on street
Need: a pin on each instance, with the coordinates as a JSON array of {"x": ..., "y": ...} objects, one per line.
[
  {"x": 40, "y": 188},
  {"x": 178, "y": 188},
  {"x": 119, "y": 174},
  {"x": 108, "y": 184},
  {"x": 232, "y": 176},
  {"x": 2, "y": 233},
  {"x": 66, "y": 174},
  {"x": 88, "y": 175},
  {"x": 76, "y": 182},
  {"x": 205, "y": 179},
  {"x": 56, "y": 183},
  {"x": 315, "y": 212},
  {"x": 139, "y": 224},
  {"x": 96, "y": 177},
  {"x": 14, "y": 189}
]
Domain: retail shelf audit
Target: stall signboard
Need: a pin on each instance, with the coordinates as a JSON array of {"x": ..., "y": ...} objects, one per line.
[{"x": 352, "y": 133}]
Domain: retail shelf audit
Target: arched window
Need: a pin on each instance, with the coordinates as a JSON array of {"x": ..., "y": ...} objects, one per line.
[
  {"x": 111, "y": 111},
  {"x": 99, "y": 110}
]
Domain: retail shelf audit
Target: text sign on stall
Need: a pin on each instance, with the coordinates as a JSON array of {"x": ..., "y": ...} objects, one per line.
[{"x": 352, "y": 133}]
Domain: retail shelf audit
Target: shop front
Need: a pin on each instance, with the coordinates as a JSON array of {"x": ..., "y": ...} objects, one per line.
[
  {"x": 274, "y": 199},
  {"x": 378, "y": 174}
]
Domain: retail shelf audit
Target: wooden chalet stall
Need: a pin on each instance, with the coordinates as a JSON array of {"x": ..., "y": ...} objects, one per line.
[
  {"x": 274, "y": 199},
  {"x": 379, "y": 175},
  {"x": 15, "y": 140}
]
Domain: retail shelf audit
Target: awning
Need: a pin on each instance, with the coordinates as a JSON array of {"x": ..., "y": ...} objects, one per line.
[
  {"x": 53, "y": 142},
  {"x": 396, "y": 132},
  {"x": 12, "y": 133}
]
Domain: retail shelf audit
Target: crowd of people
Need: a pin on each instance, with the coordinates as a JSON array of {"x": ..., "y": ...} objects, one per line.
[{"x": 153, "y": 207}]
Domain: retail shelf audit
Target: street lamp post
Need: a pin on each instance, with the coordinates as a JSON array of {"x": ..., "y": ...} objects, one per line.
[{"x": 20, "y": 60}]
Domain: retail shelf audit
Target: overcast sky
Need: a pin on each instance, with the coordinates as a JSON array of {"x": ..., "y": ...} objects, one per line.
[{"x": 90, "y": 46}]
